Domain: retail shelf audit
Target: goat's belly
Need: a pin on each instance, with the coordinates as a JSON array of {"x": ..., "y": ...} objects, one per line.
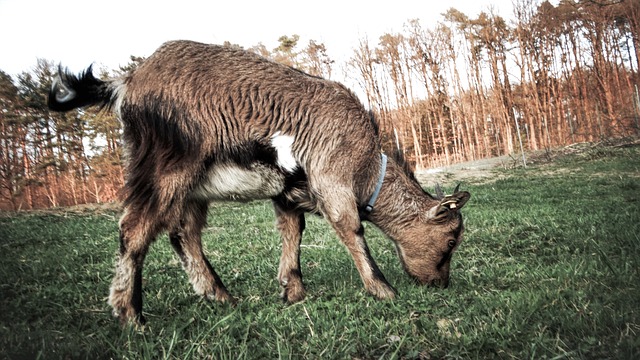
[{"x": 232, "y": 182}]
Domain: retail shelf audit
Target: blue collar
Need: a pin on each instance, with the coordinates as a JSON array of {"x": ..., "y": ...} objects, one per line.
[{"x": 376, "y": 192}]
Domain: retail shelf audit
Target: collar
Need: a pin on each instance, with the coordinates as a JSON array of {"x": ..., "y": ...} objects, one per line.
[{"x": 383, "y": 169}]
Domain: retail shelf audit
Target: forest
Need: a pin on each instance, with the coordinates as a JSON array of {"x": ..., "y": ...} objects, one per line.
[{"x": 462, "y": 89}]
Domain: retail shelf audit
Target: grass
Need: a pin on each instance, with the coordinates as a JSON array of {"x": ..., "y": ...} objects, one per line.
[{"x": 550, "y": 268}]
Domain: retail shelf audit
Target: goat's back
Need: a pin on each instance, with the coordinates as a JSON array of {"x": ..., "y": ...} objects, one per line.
[
  {"x": 222, "y": 97},
  {"x": 193, "y": 107}
]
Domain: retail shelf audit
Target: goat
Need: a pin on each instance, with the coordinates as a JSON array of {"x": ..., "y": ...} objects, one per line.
[{"x": 205, "y": 122}]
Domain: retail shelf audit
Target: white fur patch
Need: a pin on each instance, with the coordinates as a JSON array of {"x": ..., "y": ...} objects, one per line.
[
  {"x": 230, "y": 182},
  {"x": 282, "y": 144},
  {"x": 120, "y": 90}
]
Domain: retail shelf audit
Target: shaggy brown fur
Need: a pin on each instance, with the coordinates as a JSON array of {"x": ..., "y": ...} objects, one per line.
[{"x": 205, "y": 122}]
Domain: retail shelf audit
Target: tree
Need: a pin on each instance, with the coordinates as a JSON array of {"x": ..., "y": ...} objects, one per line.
[
  {"x": 11, "y": 136},
  {"x": 316, "y": 61},
  {"x": 285, "y": 53}
]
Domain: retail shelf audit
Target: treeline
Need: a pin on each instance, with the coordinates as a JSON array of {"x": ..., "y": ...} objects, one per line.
[
  {"x": 470, "y": 88},
  {"x": 51, "y": 159},
  {"x": 464, "y": 89}
]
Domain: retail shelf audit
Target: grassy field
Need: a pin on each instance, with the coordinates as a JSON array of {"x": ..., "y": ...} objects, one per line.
[{"x": 550, "y": 268}]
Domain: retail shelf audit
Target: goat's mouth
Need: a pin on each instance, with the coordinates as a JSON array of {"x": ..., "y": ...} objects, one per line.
[{"x": 424, "y": 280}]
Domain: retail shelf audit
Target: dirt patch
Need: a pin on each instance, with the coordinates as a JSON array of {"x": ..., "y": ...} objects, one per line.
[
  {"x": 489, "y": 170},
  {"x": 110, "y": 209},
  {"x": 477, "y": 171}
]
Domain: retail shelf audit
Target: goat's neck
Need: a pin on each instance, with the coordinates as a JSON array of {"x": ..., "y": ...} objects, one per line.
[{"x": 400, "y": 203}]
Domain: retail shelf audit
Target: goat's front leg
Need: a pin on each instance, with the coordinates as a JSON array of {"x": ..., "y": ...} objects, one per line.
[
  {"x": 186, "y": 241},
  {"x": 291, "y": 225},
  {"x": 340, "y": 210},
  {"x": 352, "y": 236}
]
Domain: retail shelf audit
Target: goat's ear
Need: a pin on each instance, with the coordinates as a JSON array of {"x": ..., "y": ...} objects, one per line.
[
  {"x": 456, "y": 201},
  {"x": 449, "y": 203}
]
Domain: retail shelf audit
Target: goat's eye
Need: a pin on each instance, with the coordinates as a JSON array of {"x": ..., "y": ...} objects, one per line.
[{"x": 452, "y": 244}]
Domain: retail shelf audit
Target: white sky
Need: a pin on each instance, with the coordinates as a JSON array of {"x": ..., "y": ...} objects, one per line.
[{"x": 78, "y": 33}]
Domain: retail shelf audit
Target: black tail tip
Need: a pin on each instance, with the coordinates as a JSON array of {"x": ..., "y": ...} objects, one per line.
[{"x": 70, "y": 91}]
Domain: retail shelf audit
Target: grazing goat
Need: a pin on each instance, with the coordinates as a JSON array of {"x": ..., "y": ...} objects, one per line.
[{"x": 205, "y": 122}]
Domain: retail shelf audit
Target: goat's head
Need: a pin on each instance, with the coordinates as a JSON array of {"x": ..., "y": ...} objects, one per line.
[{"x": 427, "y": 243}]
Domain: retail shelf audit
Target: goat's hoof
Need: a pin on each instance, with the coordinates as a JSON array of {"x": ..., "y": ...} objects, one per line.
[
  {"x": 292, "y": 293},
  {"x": 225, "y": 298},
  {"x": 130, "y": 318},
  {"x": 382, "y": 291}
]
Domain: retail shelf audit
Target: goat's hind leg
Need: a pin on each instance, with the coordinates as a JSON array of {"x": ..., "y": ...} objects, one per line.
[
  {"x": 125, "y": 296},
  {"x": 186, "y": 241},
  {"x": 291, "y": 225}
]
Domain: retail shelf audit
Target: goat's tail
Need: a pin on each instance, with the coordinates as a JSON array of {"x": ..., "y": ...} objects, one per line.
[{"x": 70, "y": 91}]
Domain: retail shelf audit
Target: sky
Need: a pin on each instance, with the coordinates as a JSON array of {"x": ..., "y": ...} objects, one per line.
[{"x": 78, "y": 33}]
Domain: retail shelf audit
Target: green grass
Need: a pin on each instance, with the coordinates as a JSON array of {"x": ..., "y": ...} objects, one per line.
[{"x": 550, "y": 268}]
